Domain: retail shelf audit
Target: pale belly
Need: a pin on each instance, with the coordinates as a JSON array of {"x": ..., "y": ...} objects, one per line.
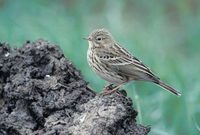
[{"x": 112, "y": 78}]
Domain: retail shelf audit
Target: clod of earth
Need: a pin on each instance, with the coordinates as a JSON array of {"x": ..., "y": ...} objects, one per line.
[{"x": 42, "y": 93}]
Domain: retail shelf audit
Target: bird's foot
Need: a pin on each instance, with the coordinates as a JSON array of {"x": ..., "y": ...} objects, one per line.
[{"x": 110, "y": 89}]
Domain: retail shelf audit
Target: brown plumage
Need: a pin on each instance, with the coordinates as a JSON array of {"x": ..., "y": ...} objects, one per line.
[{"x": 115, "y": 64}]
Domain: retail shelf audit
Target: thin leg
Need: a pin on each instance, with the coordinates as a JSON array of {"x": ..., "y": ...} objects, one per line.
[
  {"x": 113, "y": 90},
  {"x": 108, "y": 87}
]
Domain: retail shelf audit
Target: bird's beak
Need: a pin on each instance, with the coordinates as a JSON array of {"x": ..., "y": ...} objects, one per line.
[{"x": 88, "y": 38}]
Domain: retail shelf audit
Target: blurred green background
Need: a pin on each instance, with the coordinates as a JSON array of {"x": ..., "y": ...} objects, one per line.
[{"x": 164, "y": 34}]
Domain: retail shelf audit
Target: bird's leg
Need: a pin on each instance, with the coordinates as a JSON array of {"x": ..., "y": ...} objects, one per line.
[
  {"x": 108, "y": 87},
  {"x": 112, "y": 90}
]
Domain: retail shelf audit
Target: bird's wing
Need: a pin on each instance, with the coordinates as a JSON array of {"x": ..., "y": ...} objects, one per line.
[{"x": 124, "y": 63}]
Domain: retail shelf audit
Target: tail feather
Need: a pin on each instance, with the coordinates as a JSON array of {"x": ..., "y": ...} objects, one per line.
[{"x": 168, "y": 88}]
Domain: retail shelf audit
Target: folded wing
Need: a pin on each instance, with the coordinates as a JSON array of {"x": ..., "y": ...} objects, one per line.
[{"x": 124, "y": 63}]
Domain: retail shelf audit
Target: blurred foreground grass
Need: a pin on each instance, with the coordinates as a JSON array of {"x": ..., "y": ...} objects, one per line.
[{"x": 163, "y": 34}]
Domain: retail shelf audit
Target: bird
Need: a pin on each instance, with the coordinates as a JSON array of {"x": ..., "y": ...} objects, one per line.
[{"x": 117, "y": 65}]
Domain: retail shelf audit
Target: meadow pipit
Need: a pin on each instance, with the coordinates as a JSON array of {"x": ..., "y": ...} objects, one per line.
[{"x": 115, "y": 64}]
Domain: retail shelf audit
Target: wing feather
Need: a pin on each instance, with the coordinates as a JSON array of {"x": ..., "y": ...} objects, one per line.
[{"x": 123, "y": 62}]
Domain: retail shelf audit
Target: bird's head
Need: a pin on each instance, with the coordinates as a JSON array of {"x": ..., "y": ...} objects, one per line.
[{"x": 100, "y": 38}]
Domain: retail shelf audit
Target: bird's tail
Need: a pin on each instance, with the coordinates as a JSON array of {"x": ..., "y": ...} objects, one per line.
[{"x": 168, "y": 88}]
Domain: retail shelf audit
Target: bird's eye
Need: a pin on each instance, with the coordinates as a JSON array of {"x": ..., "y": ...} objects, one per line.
[{"x": 99, "y": 38}]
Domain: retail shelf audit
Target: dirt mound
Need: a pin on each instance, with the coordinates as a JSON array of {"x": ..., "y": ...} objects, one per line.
[{"x": 42, "y": 93}]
